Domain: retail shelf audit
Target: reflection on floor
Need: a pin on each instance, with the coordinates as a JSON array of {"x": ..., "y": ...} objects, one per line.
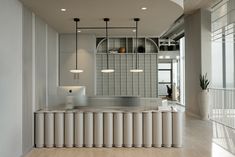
[
  {"x": 224, "y": 136},
  {"x": 198, "y": 142}
]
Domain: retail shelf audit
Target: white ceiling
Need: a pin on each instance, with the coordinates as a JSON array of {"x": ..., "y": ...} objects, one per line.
[{"x": 158, "y": 17}]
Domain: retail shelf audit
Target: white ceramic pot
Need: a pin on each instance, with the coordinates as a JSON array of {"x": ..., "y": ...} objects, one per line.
[{"x": 204, "y": 104}]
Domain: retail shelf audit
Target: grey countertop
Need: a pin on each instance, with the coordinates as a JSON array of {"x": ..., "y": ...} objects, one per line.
[
  {"x": 104, "y": 109},
  {"x": 108, "y": 104}
]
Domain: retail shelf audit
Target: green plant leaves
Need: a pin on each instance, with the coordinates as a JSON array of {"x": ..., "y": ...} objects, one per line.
[{"x": 204, "y": 82}]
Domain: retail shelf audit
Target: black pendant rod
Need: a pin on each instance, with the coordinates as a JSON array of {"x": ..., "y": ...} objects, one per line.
[
  {"x": 107, "y": 40},
  {"x": 105, "y": 27},
  {"x": 136, "y": 41},
  {"x": 76, "y": 20}
]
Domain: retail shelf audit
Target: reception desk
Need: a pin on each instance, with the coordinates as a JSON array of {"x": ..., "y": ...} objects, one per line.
[{"x": 89, "y": 126}]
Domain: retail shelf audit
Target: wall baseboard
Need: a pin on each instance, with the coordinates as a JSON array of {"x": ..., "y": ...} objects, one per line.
[
  {"x": 27, "y": 151},
  {"x": 193, "y": 114}
]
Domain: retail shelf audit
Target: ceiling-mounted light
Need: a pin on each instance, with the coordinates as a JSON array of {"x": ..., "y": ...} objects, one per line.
[
  {"x": 143, "y": 8},
  {"x": 76, "y": 70},
  {"x": 79, "y": 31},
  {"x": 107, "y": 70},
  {"x": 136, "y": 69},
  {"x": 177, "y": 57},
  {"x": 63, "y": 9},
  {"x": 160, "y": 57}
]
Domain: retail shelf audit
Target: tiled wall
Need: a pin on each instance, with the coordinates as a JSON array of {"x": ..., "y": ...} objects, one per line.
[{"x": 122, "y": 81}]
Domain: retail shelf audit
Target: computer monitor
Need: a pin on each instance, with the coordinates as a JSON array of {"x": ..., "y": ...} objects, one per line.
[{"x": 69, "y": 96}]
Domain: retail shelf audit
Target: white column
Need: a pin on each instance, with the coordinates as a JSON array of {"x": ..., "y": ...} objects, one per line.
[
  {"x": 78, "y": 122},
  {"x": 108, "y": 129},
  {"x": 88, "y": 130},
  {"x": 157, "y": 129},
  {"x": 69, "y": 129},
  {"x": 147, "y": 129},
  {"x": 138, "y": 129},
  {"x": 177, "y": 129},
  {"x": 98, "y": 129},
  {"x": 49, "y": 129},
  {"x": 59, "y": 129},
  {"x": 167, "y": 129},
  {"x": 39, "y": 129},
  {"x": 118, "y": 129},
  {"x": 128, "y": 129}
]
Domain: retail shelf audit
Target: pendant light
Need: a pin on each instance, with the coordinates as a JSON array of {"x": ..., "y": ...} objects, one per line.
[
  {"x": 76, "y": 70},
  {"x": 107, "y": 70},
  {"x": 136, "y": 69}
]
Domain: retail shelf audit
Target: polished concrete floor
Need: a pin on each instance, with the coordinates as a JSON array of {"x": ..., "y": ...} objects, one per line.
[{"x": 201, "y": 139}]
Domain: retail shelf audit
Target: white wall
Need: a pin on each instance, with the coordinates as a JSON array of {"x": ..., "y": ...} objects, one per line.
[
  {"x": 27, "y": 131},
  {"x": 52, "y": 64},
  {"x": 28, "y": 66},
  {"x": 40, "y": 63},
  {"x": 197, "y": 56},
  {"x": 86, "y": 61},
  {"x": 40, "y": 74},
  {"x": 206, "y": 42},
  {"x": 11, "y": 78},
  {"x": 46, "y": 63}
]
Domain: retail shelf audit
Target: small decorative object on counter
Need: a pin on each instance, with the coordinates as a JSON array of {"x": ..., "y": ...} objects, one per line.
[
  {"x": 122, "y": 50},
  {"x": 113, "y": 51}
]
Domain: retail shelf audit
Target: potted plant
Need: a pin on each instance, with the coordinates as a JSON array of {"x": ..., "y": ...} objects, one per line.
[{"x": 204, "y": 97}]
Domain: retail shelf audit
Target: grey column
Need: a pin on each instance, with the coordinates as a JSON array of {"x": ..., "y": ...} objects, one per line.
[
  {"x": 157, "y": 129},
  {"x": 128, "y": 129},
  {"x": 167, "y": 128},
  {"x": 118, "y": 129},
  {"x": 59, "y": 129},
  {"x": 147, "y": 129},
  {"x": 108, "y": 129},
  {"x": 79, "y": 135},
  {"x": 69, "y": 129},
  {"x": 98, "y": 129},
  {"x": 138, "y": 129},
  {"x": 88, "y": 130},
  {"x": 49, "y": 129},
  {"x": 177, "y": 129},
  {"x": 39, "y": 129}
]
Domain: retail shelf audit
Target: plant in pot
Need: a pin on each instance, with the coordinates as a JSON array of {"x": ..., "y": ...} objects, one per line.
[{"x": 204, "y": 97}]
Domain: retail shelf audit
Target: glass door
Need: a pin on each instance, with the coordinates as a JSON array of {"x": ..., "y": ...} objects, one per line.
[{"x": 165, "y": 80}]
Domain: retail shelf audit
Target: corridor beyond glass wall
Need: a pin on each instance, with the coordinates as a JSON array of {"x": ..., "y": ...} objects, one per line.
[{"x": 222, "y": 90}]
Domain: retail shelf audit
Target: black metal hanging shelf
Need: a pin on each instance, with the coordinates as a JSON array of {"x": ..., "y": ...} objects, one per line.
[{"x": 118, "y": 27}]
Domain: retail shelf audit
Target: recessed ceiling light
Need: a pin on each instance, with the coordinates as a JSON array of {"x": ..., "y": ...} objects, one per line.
[
  {"x": 79, "y": 31},
  {"x": 143, "y": 8},
  {"x": 177, "y": 57},
  {"x": 160, "y": 57},
  {"x": 134, "y": 30},
  {"x": 63, "y": 9}
]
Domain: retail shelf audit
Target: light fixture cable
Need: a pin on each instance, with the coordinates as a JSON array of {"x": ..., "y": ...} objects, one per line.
[
  {"x": 107, "y": 48},
  {"x": 107, "y": 41},
  {"x": 76, "y": 71},
  {"x": 76, "y": 20},
  {"x": 136, "y": 41},
  {"x": 136, "y": 68}
]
